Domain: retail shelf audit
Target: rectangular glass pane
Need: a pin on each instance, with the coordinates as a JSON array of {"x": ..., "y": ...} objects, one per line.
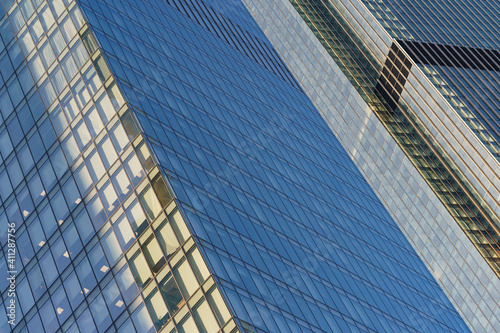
[
  {"x": 171, "y": 294},
  {"x": 204, "y": 318},
  {"x": 150, "y": 203},
  {"x": 157, "y": 309},
  {"x": 185, "y": 278},
  {"x": 153, "y": 254},
  {"x": 140, "y": 269}
]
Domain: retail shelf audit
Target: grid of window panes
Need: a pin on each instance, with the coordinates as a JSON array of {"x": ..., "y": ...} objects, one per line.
[
  {"x": 95, "y": 247},
  {"x": 291, "y": 230}
]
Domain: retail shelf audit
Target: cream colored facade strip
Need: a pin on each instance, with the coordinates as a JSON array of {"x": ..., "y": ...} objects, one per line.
[{"x": 459, "y": 268}]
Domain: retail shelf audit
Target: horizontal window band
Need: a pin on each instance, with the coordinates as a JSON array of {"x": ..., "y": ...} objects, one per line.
[{"x": 452, "y": 56}]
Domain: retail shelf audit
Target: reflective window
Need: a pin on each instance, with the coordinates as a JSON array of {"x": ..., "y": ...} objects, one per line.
[
  {"x": 60, "y": 254},
  {"x": 111, "y": 247},
  {"x": 72, "y": 239},
  {"x": 100, "y": 314},
  {"x": 57, "y": 79},
  {"x": 36, "y": 29},
  {"x": 199, "y": 267},
  {"x": 204, "y": 318},
  {"x": 26, "y": 8},
  {"x": 35, "y": 323},
  {"x": 179, "y": 226},
  {"x": 96, "y": 168},
  {"x": 187, "y": 325},
  {"x": 86, "y": 323},
  {"x": 26, "y": 41},
  {"x": 48, "y": 268},
  {"x": 70, "y": 148},
  {"x": 57, "y": 41},
  {"x": 69, "y": 106},
  {"x": 124, "y": 232},
  {"x": 79, "y": 53},
  {"x": 46, "y": 18},
  {"x": 67, "y": 28},
  {"x": 105, "y": 108},
  {"x": 86, "y": 276},
  {"x": 6, "y": 188},
  {"x": 46, "y": 54},
  {"x": 24, "y": 295},
  {"x": 108, "y": 197},
  {"x": 150, "y": 203},
  {"x": 134, "y": 169},
  {"x": 47, "y": 92},
  {"x": 91, "y": 80},
  {"x": 84, "y": 226},
  {"x": 61, "y": 304},
  {"x": 107, "y": 151},
  {"x": 98, "y": 261},
  {"x": 36, "y": 234},
  {"x": 96, "y": 212},
  {"x": 142, "y": 321},
  {"x": 73, "y": 290},
  {"x": 136, "y": 217},
  {"x": 140, "y": 269},
  {"x": 83, "y": 179},
  {"x": 126, "y": 283},
  {"x": 80, "y": 93},
  {"x": 113, "y": 299},
  {"x": 49, "y": 317},
  {"x": 157, "y": 309},
  {"x": 121, "y": 183},
  {"x": 47, "y": 217},
  {"x": 93, "y": 121},
  {"x": 119, "y": 137},
  {"x": 68, "y": 66},
  {"x": 59, "y": 120},
  {"x": 37, "y": 70},
  {"x": 185, "y": 279},
  {"x": 25, "y": 247},
  {"x": 153, "y": 254},
  {"x": 36, "y": 282},
  {"x": 5, "y": 143},
  {"x": 16, "y": 18},
  {"x": 167, "y": 239}
]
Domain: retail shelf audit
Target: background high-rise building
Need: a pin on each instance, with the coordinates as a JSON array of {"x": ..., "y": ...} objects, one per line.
[{"x": 165, "y": 165}]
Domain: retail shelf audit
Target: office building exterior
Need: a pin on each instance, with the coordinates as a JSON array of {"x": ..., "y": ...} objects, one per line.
[
  {"x": 240, "y": 166},
  {"x": 418, "y": 117}
]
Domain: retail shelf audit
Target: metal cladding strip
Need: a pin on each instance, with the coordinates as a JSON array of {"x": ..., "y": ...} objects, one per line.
[{"x": 466, "y": 278}]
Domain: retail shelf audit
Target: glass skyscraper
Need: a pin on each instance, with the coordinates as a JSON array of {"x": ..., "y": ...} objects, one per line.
[{"x": 247, "y": 166}]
